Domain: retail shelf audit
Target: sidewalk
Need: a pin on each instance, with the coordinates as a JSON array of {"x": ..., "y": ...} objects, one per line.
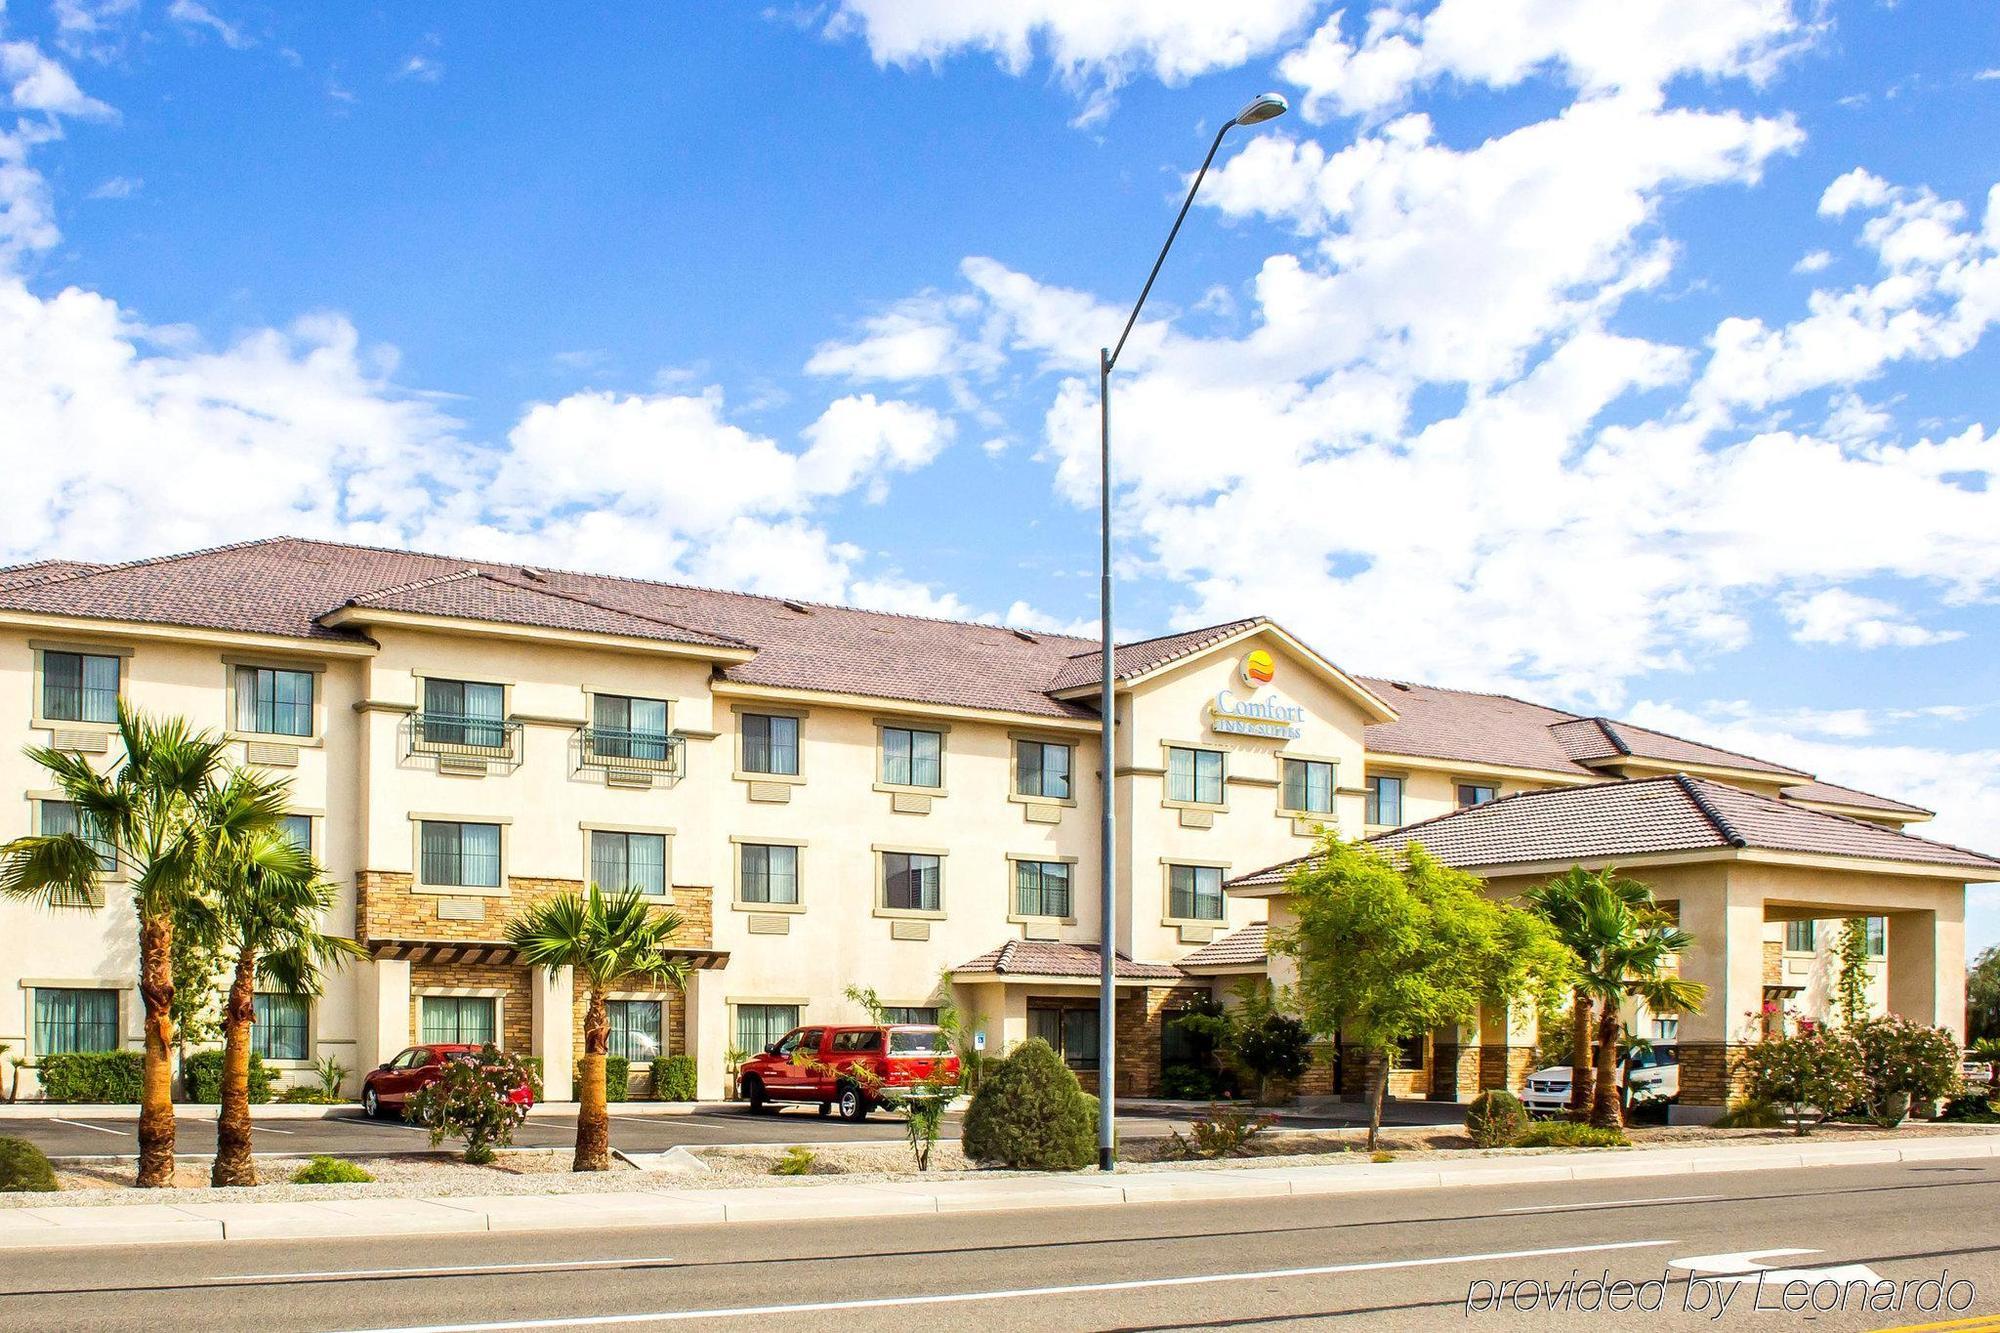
[
  {"x": 166, "y": 1223},
  {"x": 282, "y": 1111}
]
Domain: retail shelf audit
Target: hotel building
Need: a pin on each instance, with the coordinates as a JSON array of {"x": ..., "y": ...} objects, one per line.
[{"x": 830, "y": 797}]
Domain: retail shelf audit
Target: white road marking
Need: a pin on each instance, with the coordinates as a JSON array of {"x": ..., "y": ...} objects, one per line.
[
  {"x": 122, "y": 1133},
  {"x": 1748, "y": 1266},
  {"x": 266, "y": 1129},
  {"x": 1016, "y": 1293},
  {"x": 1611, "y": 1203},
  {"x": 553, "y": 1265}
]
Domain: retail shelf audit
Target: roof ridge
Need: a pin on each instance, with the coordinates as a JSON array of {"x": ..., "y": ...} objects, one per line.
[
  {"x": 1217, "y": 627},
  {"x": 1866, "y": 824},
  {"x": 89, "y": 570},
  {"x": 1692, "y": 788},
  {"x": 396, "y": 588},
  {"x": 1608, "y": 729},
  {"x": 1567, "y": 715},
  {"x": 581, "y": 600},
  {"x": 1687, "y": 740}
]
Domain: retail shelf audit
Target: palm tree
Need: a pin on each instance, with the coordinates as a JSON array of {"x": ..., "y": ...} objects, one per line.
[
  {"x": 271, "y": 899},
  {"x": 1564, "y": 902},
  {"x": 604, "y": 938},
  {"x": 149, "y": 807},
  {"x": 1633, "y": 966}
]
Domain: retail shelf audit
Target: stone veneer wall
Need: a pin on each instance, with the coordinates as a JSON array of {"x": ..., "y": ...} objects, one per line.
[
  {"x": 1455, "y": 1072},
  {"x": 1506, "y": 1067},
  {"x": 1708, "y": 1074},
  {"x": 516, "y": 1000}
]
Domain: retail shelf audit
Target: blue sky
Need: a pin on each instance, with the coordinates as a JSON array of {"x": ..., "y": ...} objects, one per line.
[{"x": 1638, "y": 364}]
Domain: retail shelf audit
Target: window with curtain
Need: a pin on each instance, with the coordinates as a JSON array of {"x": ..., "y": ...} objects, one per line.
[
  {"x": 625, "y": 727},
  {"x": 68, "y": 1021},
  {"x": 910, "y": 881},
  {"x": 59, "y": 817},
  {"x": 1194, "y": 776},
  {"x": 770, "y": 873},
  {"x": 1041, "y": 888},
  {"x": 1475, "y": 793},
  {"x": 464, "y": 712},
  {"x": 1309, "y": 786},
  {"x": 1878, "y": 936},
  {"x": 636, "y": 1029},
  {"x": 910, "y": 758},
  {"x": 461, "y": 1020},
  {"x": 621, "y": 861},
  {"x": 278, "y": 1028},
  {"x": 1385, "y": 801},
  {"x": 79, "y": 687},
  {"x": 770, "y": 744},
  {"x": 1801, "y": 936},
  {"x": 1070, "y": 1029},
  {"x": 1194, "y": 893},
  {"x": 274, "y": 702},
  {"x": 1041, "y": 769},
  {"x": 761, "y": 1025},
  {"x": 460, "y": 855},
  {"x": 298, "y": 831}
]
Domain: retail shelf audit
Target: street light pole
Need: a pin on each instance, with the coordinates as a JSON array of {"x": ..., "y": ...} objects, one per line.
[{"x": 1267, "y": 106}]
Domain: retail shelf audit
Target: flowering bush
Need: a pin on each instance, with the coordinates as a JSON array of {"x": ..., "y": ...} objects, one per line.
[
  {"x": 475, "y": 1100},
  {"x": 1903, "y": 1063},
  {"x": 1814, "y": 1074}
]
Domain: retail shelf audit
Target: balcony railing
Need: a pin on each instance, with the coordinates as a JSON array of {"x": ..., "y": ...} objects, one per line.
[
  {"x": 456, "y": 739},
  {"x": 619, "y": 752}
]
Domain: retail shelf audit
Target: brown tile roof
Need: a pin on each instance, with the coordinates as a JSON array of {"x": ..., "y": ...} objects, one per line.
[
  {"x": 1248, "y": 947},
  {"x": 474, "y": 594},
  {"x": 1653, "y": 816},
  {"x": 1593, "y": 739},
  {"x": 1832, "y": 793},
  {"x": 1051, "y": 958},
  {"x": 16, "y": 576},
  {"x": 1133, "y": 659}
]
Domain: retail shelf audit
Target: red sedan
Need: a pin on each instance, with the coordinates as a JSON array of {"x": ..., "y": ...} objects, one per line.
[{"x": 389, "y": 1087}]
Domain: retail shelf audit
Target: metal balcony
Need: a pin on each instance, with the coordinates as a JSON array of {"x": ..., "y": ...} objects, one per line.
[
  {"x": 462, "y": 743},
  {"x": 629, "y": 758}
]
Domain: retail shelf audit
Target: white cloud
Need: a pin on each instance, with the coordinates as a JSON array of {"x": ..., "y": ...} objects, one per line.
[
  {"x": 196, "y": 17},
  {"x": 37, "y": 83},
  {"x": 1634, "y": 47},
  {"x": 858, "y": 441},
  {"x": 421, "y": 69},
  {"x": 118, "y": 187},
  {"x": 1836, "y": 617},
  {"x": 914, "y": 339},
  {"x": 1815, "y": 261}
]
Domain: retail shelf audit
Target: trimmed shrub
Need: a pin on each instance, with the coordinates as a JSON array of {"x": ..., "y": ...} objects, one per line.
[
  {"x": 1276, "y": 1049},
  {"x": 1495, "y": 1119},
  {"x": 1904, "y": 1064},
  {"x": 1815, "y": 1072},
  {"x": 1030, "y": 1113},
  {"x": 1751, "y": 1114},
  {"x": 92, "y": 1076},
  {"x": 617, "y": 1078},
  {"x": 202, "y": 1072},
  {"x": 23, "y": 1168},
  {"x": 324, "y": 1170},
  {"x": 1186, "y": 1083},
  {"x": 1570, "y": 1134},
  {"x": 673, "y": 1078}
]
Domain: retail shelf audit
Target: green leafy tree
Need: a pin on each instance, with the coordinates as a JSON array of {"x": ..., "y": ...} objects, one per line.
[
  {"x": 605, "y": 939},
  {"x": 473, "y": 1101},
  {"x": 1386, "y": 952},
  {"x": 1982, "y": 995},
  {"x": 1851, "y": 972},
  {"x": 271, "y": 899},
  {"x": 153, "y": 807}
]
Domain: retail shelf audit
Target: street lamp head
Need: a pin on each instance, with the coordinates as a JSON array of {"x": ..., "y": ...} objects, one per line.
[{"x": 1263, "y": 107}]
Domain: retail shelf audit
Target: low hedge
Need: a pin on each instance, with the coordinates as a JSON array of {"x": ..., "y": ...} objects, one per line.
[
  {"x": 92, "y": 1076},
  {"x": 202, "y": 1073},
  {"x": 1570, "y": 1134},
  {"x": 325, "y": 1170},
  {"x": 617, "y": 1078},
  {"x": 24, "y": 1168},
  {"x": 673, "y": 1078}
]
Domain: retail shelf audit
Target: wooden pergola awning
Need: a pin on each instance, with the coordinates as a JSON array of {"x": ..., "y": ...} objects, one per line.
[{"x": 499, "y": 953}]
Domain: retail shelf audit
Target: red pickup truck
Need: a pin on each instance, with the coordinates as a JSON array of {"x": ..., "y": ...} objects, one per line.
[{"x": 846, "y": 1067}]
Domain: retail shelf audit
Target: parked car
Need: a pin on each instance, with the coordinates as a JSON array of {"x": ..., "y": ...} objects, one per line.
[
  {"x": 389, "y": 1087},
  {"x": 1653, "y": 1073},
  {"x": 846, "y": 1067}
]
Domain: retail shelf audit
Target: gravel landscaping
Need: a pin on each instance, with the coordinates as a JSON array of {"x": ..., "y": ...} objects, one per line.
[{"x": 542, "y": 1171}]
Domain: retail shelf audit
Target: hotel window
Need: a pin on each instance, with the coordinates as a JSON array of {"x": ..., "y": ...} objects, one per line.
[
  {"x": 759, "y": 1026},
  {"x": 623, "y": 727},
  {"x": 1041, "y": 888},
  {"x": 1801, "y": 936},
  {"x": 620, "y": 861},
  {"x": 1878, "y": 936},
  {"x": 636, "y": 1028},
  {"x": 464, "y": 712},
  {"x": 75, "y": 1021},
  {"x": 1308, "y": 786},
  {"x": 770, "y": 873},
  {"x": 1475, "y": 793},
  {"x": 463, "y": 856},
  {"x": 1666, "y": 1029},
  {"x": 59, "y": 817},
  {"x": 1385, "y": 802},
  {"x": 909, "y": 1013},
  {"x": 1194, "y": 893},
  {"x": 274, "y": 702},
  {"x": 460, "y": 1020},
  {"x": 298, "y": 831},
  {"x": 910, "y": 882},
  {"x": 1194, "y": 776},
  {"x": 1041, "y": 769},
  {"x": 79, "y": 687},
  {"x": 771, "y": 745},
  {"x": 1070, "y": 1029},
  {"x": 278, "y": 1026},
  {"x": 911, "y": 758}
]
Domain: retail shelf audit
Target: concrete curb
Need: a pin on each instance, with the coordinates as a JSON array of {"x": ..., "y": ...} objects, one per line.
[
  {"x": 60, "y": 1226},
  {"x": 339, "y": 1111}
]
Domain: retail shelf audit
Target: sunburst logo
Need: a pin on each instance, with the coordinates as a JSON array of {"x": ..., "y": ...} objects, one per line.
[{"x": 1258, "y": 668}]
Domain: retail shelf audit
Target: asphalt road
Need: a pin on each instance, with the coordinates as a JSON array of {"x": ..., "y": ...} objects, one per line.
[
  {"x": 82, "y": 1135},
  {"x": 1406, "y": 1260}
]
